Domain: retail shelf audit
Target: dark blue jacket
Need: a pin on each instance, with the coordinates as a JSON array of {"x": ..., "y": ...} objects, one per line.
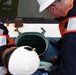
[{"x": 67, "y": 65}]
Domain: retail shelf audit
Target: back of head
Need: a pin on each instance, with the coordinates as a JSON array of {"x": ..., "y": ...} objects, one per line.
[
  {"x": 23, "y": 61},
  {"x": 44, "y": 4}
]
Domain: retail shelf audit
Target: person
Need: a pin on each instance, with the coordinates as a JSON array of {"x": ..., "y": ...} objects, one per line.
[
  {"x": 22, "y": 60},
  {"x": 65, "y": 13},
  {"x": 5, "y": 42},
  {"x": 16, "y": 60}
]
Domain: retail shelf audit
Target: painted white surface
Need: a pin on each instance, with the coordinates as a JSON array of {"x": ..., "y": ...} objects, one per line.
[{"x": 52, "y": 30}]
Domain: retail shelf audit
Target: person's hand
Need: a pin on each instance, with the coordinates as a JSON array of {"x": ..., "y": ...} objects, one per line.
[
  {"x": 7, "y": 50},
  {"x": 55, "y": 44}
]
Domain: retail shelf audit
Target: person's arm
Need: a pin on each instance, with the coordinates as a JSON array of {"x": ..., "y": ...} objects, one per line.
[{"x": 6, "y": 55}]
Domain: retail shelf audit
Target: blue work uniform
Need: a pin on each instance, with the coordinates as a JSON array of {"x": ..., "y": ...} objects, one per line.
[{"x": 67, "y": 28}]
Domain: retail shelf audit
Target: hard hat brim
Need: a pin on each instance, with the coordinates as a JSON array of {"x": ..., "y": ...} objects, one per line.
[{"x": 45, "y": 5}]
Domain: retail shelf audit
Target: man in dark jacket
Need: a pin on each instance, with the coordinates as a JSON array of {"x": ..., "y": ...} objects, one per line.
[{"x": 65, "y": 12}]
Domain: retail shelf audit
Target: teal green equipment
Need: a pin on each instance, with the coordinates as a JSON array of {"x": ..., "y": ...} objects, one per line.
[{"x": 34, "y": 39}]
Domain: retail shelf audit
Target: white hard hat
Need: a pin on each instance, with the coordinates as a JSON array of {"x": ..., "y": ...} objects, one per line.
[
  {"x": 23, "y": 61},
  {"x": 44, "y": 4}
]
